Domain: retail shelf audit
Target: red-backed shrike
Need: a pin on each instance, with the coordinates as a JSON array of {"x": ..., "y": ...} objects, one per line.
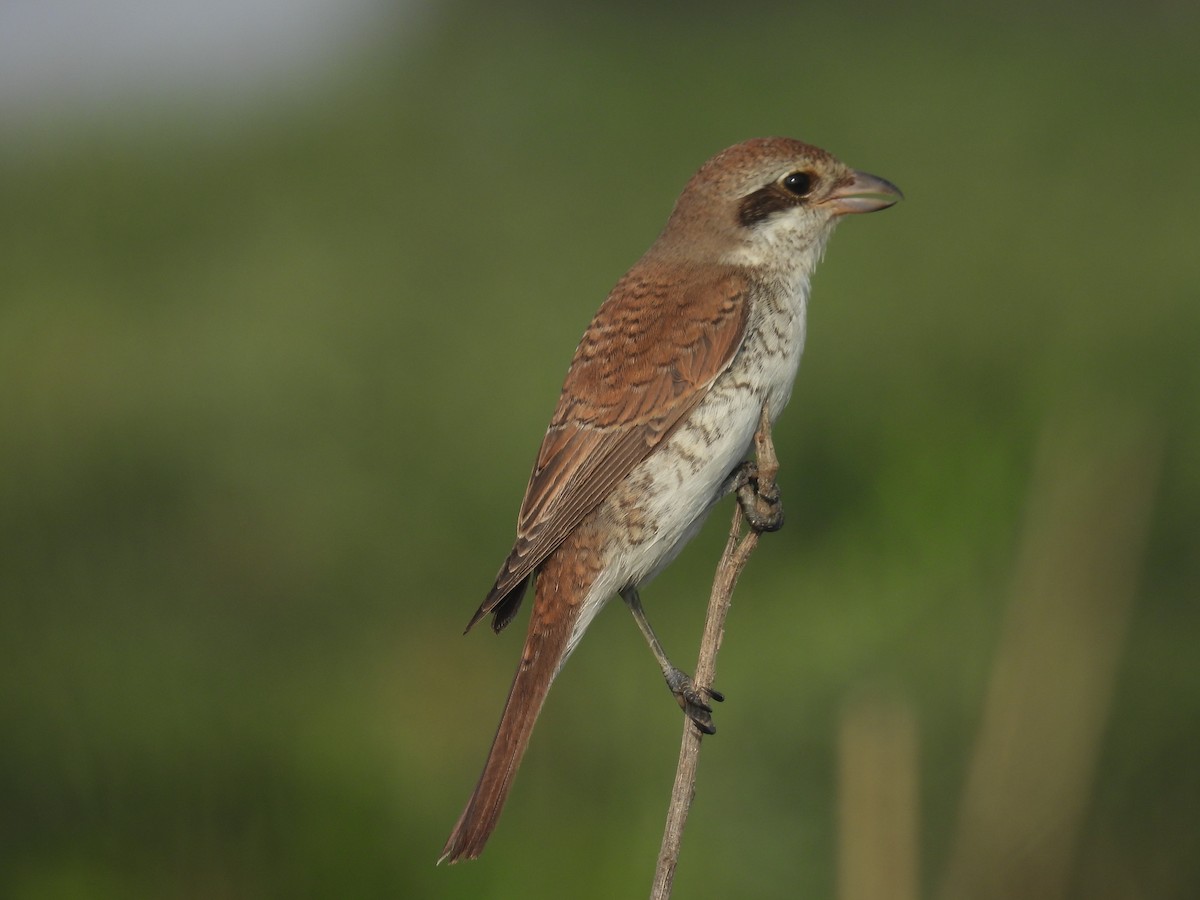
[{"x": 657, "y": 414}]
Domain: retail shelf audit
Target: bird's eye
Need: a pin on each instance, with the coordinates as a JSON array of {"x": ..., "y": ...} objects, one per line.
[{"x": 798, "y": 183}]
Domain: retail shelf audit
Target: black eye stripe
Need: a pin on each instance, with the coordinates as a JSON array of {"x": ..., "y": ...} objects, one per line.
[
  {"x": 790, "y": 190},
  {"x": 757, "y": 206}
]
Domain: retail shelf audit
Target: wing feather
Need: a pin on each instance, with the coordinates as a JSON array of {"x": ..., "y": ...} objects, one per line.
[{"x": 649, "y": 356}]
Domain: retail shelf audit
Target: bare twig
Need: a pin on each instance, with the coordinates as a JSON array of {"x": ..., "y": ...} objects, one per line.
[{"x": 733, "y": 560}]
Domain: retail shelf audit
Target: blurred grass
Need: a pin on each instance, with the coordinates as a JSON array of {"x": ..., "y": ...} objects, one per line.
[{"x": 271, "y": 395}]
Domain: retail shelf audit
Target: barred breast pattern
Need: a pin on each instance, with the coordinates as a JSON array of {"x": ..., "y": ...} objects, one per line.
[{"x": 665, "y": 500}]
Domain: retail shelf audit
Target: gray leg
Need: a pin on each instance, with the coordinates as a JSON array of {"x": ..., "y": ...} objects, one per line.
[{"x": 691, "y": 699}]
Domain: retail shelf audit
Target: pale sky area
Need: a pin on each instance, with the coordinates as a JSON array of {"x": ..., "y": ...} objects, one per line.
[{"x": 59, "y": 57}]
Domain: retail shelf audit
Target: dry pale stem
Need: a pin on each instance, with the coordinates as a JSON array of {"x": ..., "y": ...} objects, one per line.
[{"x": 733, "y": 560}]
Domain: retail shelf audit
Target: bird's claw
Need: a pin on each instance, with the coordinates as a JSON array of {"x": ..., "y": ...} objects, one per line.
[
  {"x": 692, "y": 699},
  {"x": 761, "y": 504}
]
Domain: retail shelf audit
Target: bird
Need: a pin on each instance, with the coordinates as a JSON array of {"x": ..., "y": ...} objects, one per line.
[{"x": 698, "y": 341}]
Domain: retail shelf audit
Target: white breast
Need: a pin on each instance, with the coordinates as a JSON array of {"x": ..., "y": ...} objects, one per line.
[{"x": 674, "y": 489}]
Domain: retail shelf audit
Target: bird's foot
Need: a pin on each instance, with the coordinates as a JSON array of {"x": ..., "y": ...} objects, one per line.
[
  {"x": 761, "y": 504},
  {"x": 692, "y": 699}
]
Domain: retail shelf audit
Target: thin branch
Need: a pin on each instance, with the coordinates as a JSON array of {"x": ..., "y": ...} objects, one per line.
[{"x": 733, "y": 560}]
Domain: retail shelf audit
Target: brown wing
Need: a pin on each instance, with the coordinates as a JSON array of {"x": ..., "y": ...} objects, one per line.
[{"x": 649, "y": 356}]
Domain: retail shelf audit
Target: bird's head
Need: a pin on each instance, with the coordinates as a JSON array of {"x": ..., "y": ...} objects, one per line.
[{"x": 769, "y": 203}]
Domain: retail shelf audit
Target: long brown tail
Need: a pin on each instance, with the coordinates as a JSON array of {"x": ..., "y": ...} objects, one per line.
[{"x": 562, "y": 584}]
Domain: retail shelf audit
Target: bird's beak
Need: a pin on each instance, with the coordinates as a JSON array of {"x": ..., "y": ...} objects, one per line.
[{"x": 866, "y": 193}]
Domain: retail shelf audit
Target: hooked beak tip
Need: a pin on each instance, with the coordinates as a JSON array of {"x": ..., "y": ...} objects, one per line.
[{"x": 863, "y": 194}]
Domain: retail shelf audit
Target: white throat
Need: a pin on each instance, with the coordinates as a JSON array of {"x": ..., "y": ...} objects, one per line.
[{"x": 783, "y": 251}]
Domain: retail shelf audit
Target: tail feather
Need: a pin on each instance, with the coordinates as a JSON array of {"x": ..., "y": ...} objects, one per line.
[{"x": 555, "y": 611}]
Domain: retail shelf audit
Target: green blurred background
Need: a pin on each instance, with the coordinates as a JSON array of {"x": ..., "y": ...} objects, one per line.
[{"x": 274, "y": 368}]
